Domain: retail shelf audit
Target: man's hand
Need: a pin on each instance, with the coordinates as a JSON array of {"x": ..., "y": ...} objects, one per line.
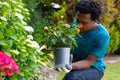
[{"x": 65, "y": 67}]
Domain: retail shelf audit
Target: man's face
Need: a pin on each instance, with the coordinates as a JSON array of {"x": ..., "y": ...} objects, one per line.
[{"x": 84, "y": 22}]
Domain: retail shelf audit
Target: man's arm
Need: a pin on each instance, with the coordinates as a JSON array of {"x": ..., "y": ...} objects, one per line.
[{"x": 84, "y": 64}]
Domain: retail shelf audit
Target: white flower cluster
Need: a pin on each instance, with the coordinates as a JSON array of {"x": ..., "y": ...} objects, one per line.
[
  {"x": 66, "y": 25},
  {"x": 32, "y": 43},
  {"x": 4, "y": 4},
  {"x": 20, "y": 16},
  {"x": 15, "y": 51},
  {"x": 3, "y": 18},
  {"x": 30, "y": 40},
  {"x": 29, "y": 29},
  {"x": 56, "y": 6}
]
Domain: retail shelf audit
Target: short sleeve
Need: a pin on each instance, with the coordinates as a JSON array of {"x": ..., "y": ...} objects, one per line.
[
  {"x": 73, "y": 24},
  {"x": 101, "y": 44}
]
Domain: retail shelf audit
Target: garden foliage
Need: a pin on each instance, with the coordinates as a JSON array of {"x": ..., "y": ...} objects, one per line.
[
  {"x": 13, "y": 17},
  {"x": 110, "y": 19}
]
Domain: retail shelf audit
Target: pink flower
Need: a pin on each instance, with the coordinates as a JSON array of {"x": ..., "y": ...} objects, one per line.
[{"x": 7, "y": 65}]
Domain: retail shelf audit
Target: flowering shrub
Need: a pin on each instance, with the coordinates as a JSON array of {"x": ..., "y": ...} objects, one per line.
[
  {"x": 13, "y": 35},
  {"x": 7, "y": 65},
  {"x": 60, "y": 35}
]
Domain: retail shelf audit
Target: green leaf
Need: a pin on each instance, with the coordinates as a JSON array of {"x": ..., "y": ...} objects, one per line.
[
  {"x": 3, "y": 42},
  {"x": 14, "y": 37},
  {"x": 63, "y": 40},
  {"x": 1, "y": 36}
]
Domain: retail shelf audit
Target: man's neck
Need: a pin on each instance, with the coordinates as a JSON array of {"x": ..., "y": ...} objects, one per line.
[{"x": 93, "y": 27}]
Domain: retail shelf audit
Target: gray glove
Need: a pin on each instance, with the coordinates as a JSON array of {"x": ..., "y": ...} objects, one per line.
[{"x": 65, "y": 67}]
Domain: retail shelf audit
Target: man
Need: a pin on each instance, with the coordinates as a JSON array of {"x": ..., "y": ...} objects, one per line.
[{"x": 92, "y": 43}]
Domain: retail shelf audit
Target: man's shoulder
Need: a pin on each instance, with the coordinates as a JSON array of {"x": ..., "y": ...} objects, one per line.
[{"x": 103, "y": 31}]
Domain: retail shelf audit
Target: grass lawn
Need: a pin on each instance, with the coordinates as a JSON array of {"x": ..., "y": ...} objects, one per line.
[{"x": 112, "y": 72}]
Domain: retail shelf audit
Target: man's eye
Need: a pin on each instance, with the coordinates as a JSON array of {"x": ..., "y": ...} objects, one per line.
[
  {"x": 78, "y": 21},
  {"x": 81, "y": 22}
]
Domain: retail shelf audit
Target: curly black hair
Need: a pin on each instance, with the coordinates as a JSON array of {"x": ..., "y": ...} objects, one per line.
[{"x": 89, "y": 6}]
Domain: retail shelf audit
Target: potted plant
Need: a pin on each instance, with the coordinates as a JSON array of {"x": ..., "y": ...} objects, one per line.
[
  {"x": 61, "y": 38},
  {"x": 60, "y": 35}
]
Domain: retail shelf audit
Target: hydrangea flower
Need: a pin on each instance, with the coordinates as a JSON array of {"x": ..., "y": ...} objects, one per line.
[
  {"x": 3, "y": 18},
  {"x": 29, "y": 29},
  {"x": 20, "y": 16},
  {"x": 30, "y": 37},
  {"x": 7, "y": 65},
  {"x": 35, "y": 44}
]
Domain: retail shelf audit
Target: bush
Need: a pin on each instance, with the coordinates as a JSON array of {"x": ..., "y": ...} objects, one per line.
[{"x": 13, "y": 17}]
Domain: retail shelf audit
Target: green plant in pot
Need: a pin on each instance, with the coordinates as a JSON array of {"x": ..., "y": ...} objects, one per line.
[
  {"x": 60, "y": 35},
  {"x": 61, "y": 38}
]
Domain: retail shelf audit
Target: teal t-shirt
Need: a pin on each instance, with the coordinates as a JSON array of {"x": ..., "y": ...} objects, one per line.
[{"x": 93, "y": 42}]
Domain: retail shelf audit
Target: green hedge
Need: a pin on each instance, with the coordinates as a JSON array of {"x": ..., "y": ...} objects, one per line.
[{"x": 13, "y": 17}]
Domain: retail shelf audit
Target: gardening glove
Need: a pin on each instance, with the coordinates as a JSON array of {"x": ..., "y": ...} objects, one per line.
[{"x": 65, "y": 67}]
